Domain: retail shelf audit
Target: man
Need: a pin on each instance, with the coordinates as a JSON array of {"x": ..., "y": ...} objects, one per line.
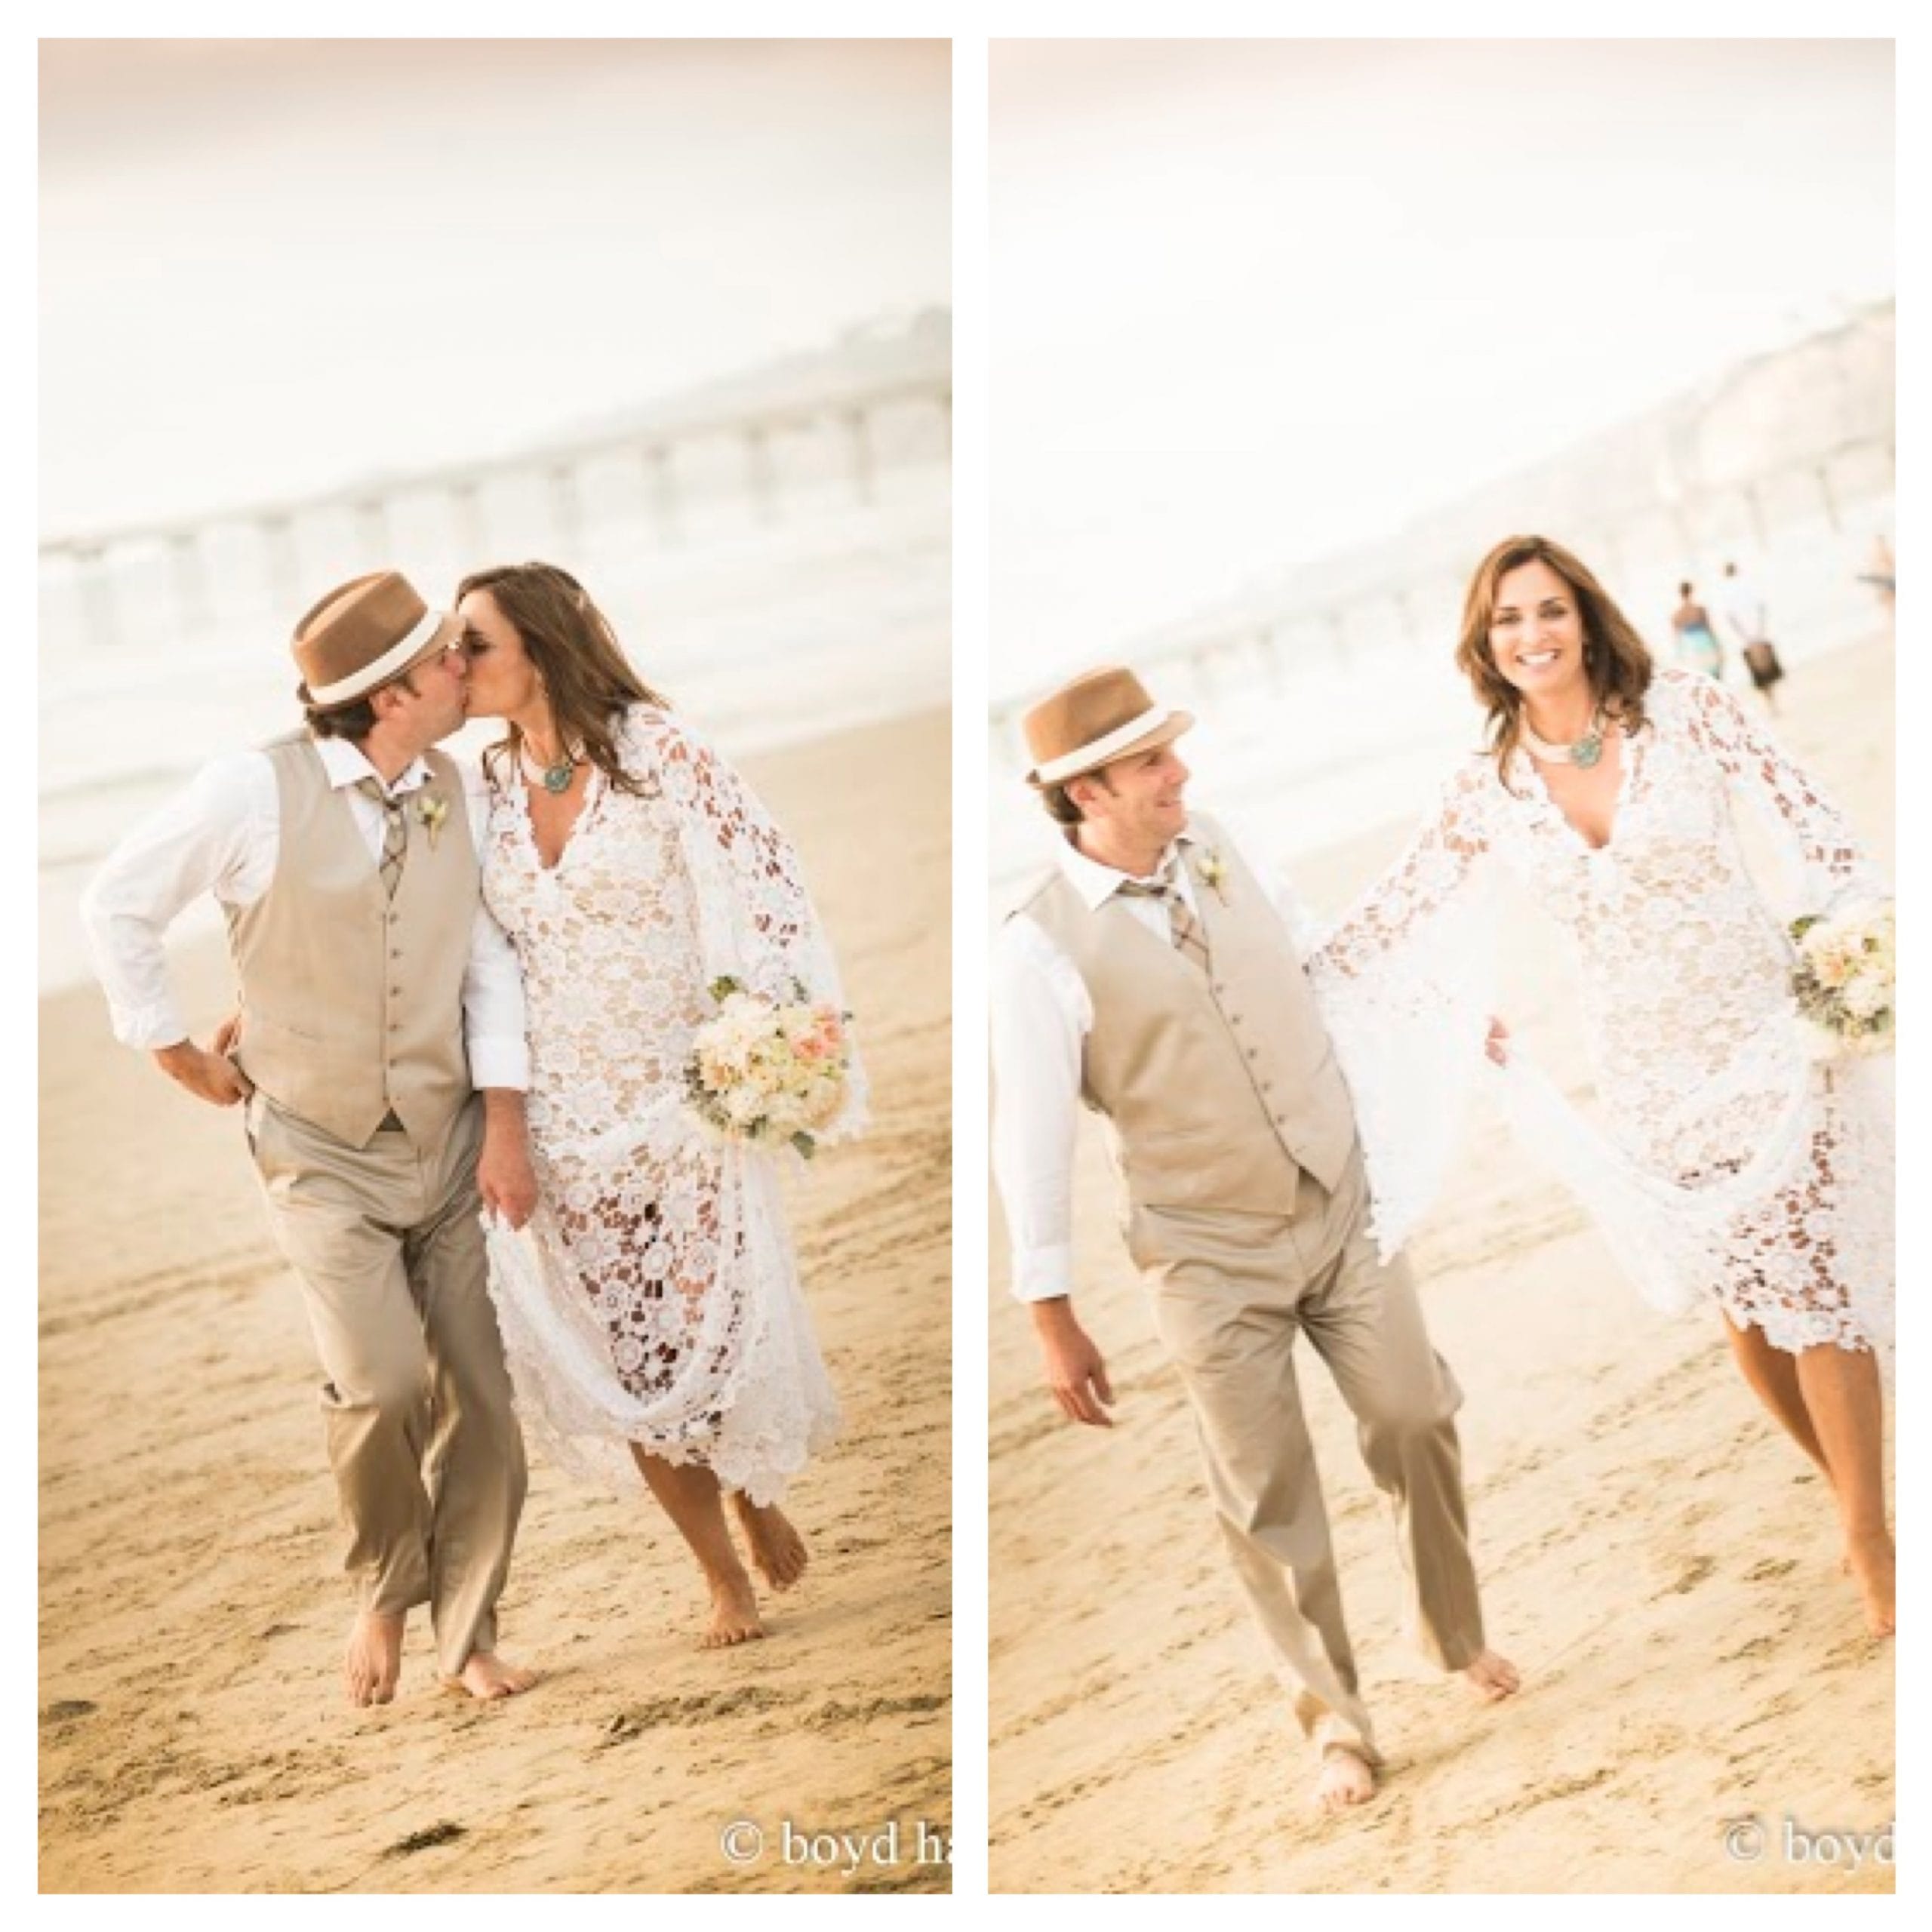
[
  {"x": 374, "y": 990},
  {"x": 1746, "y": 612},
  {"x": 1151, "y": 976}
]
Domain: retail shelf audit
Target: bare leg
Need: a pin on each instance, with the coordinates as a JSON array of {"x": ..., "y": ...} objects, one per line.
[
  {"x": 1841, "y": 1390},
  {"x": 692, "y": 1499},
  {"x": 374, "y": 1661},
  {"x": 1773, "y": 1375},
  {"x": 776, "y": 1548}
]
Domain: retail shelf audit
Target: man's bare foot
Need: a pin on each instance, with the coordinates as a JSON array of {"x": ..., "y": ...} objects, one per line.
[
  {"x": 777, "y": 1548},
  {"x": 1874, "y": 1563},
  {"x": 1346, "y": 1780},
  {"x": 734, "y": 1617},
  {"x": 1492, "y": 1678},
  {"x": 373, "y": 1660},
  {"x": 486, "y": 1677}
]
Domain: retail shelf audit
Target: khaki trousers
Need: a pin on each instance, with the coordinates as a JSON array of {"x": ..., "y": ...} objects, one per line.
[
  {"x": 1231, "y": 1294},
  {"x": 416, "y": 1403}
]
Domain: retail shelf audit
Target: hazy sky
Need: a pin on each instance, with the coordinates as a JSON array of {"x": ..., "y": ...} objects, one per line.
[
  {"x": 1252, "y": 301},
  {"x": 267, "y": 267}
]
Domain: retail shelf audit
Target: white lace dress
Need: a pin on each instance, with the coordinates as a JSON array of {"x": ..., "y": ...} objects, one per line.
[
  {"x": 1726, "y": 1165},
  {"x": 653, "y": 1299}
]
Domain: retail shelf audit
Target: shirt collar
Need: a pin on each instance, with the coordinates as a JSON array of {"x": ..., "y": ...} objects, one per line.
[
  {"x": 344, "y": 764},
  {"x": 1096, "y": 883}
]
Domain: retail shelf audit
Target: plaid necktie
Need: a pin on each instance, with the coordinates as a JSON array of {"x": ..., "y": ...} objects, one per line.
[
  {"x": 395, "y": 830},
  {"x": 1183, "y": 928}
]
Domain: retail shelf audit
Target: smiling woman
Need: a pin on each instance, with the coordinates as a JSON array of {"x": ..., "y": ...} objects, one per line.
[{"x": 1732, "y": 1167}]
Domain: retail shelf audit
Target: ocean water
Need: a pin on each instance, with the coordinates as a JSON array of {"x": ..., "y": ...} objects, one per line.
[{"x": 763, "y": 631}]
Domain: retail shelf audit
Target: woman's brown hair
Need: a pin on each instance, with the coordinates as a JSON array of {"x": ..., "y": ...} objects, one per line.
[
  {"x": 587, "y": 679},
  {"x": 1615, "y": 659}
]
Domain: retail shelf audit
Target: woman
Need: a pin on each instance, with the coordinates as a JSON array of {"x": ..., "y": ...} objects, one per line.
[
  {"x": 1697, "y": 647},
  {"x": 1734, "y": 1167},
  {"x": 651, "y": 1315}
]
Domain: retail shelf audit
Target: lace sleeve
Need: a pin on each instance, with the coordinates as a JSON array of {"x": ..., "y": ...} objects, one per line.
[
  {"x": 1406, "y": 982},
  {"x": 755, "y": 921},
  {"x": 1822, "y": 855}
]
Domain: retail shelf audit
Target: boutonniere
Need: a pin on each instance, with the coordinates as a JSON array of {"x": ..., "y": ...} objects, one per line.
[
  {"x": 432, "y": 810},
  {"x": 1210, "y": 869}
]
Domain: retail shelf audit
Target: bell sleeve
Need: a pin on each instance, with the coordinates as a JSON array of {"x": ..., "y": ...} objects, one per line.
[
  {"x": 756, "y": 919},
  {"x": 1406, "y": 984},
  {"x": 1824, "y": 868}
]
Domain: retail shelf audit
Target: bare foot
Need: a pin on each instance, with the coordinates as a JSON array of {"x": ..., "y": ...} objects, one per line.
[
  {"x": 373, "y": 1660},
  {"x": 1492, "y": 1678},
  {"x": 486, "y": 1677},
  {"x": 734, "y": 1617},
  {"x": 1346, "y": 1780},
  {"x": 777, "y": 1549},
  {"x": 1874, "y": 1563}
]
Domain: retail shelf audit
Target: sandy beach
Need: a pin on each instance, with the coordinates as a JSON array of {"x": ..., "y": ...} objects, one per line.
[
  {"x": 193, "y": 1734},
  {"x": 1659, "y": 1560}
]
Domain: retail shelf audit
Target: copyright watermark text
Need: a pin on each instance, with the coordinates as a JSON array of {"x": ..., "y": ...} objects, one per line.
[
  {"x": 1751, "y": 1841},
  {"x": 745, "y": 1842}
]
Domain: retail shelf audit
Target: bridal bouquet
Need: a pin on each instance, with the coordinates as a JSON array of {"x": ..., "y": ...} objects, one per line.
[
  {"x": 768, "y": 1072},
  {"x": 1845, "y": 980}
]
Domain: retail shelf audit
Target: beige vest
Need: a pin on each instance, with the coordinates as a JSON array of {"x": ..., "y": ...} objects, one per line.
[
  {"x": 1217, "y": 1089},
  {"x": 353, "y": 1002}
]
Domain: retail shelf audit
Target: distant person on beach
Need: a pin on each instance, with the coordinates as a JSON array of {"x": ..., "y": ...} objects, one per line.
[
  {"x": 1697, "y": 646},
  {"x": 1151, "y": 976},
  {"x": 1745, "y": 611},
  {"x": 377, "y": 997},
  {"x": 1742, "y": 1162},
  {"x": 1882, "y": 572},
  {"x": 655, "y": 1325}
]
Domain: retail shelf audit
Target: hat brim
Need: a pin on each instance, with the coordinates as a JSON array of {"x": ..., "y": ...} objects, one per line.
[{"x": 1169, "y": 728}]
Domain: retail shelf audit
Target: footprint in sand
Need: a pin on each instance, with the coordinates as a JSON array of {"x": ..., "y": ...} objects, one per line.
[{"x": 1690, "y": 1577}]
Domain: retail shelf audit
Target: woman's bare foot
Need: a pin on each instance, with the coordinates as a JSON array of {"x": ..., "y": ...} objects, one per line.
[
  {"x": 1492, "y": 1678},
  {"x": 734, "y": 1617},
  {"x": 373, "y": 1660},
  {"x": 1874, "y": 1563},
  {"x": 486, "y": 1677},
  {"x": 777, "y": 1548},
  {"x": 1346, "y": 1780}
]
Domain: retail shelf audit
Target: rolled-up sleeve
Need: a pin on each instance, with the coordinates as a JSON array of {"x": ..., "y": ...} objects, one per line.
[
  {"x": 1040, "y": 1014},
  {"x": 216, "y": 836},
  {"x": 494, "y": 1032}
]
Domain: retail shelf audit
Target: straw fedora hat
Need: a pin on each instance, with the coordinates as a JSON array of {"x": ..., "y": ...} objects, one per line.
[
  {"x": 1102, "y": 716},
  {"x": 365, "y": 633}
]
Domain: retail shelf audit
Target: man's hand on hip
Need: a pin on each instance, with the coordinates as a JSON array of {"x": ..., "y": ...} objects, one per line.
[
  {"x": 1075, "y": 1372},
  {"x": 505, "y": 1178},
  {"x": 210, "y": 1077}
]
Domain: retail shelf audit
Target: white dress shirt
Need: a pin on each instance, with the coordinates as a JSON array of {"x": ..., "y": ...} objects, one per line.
[
  {"x": 1040, "y": 1016},
  {"x": 223, "y": 834},
  {"x": 1745, "y": 610}
]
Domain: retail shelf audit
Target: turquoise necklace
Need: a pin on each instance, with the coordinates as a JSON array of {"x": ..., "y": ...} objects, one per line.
[
  {"x": 1586, "y": 752},
  {"x": 555, "y": 777}
]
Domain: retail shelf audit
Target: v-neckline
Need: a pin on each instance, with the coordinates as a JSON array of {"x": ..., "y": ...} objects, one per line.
[
  {"x": 594, "y": 789},
  {"x": 1628, "y": 758}
]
